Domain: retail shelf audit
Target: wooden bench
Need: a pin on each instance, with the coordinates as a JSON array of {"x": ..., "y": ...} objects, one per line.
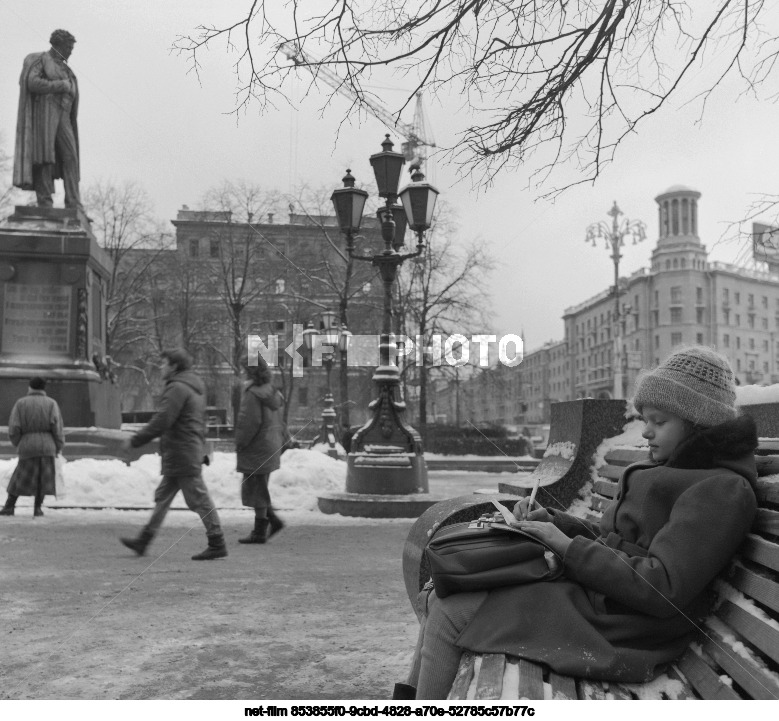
[{"x": 737, "y": 656}]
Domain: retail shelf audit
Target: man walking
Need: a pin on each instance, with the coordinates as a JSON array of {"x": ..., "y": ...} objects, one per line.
[
  {"x": 180, "y": 424},
  {"x": 47, "y": 124}
]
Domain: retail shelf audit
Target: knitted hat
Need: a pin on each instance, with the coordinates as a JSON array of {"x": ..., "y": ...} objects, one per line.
[{"x": 694, "y": 383}]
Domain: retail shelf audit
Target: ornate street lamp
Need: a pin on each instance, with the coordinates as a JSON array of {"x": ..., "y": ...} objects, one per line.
[
  {"x": 332, "y": 340},
  {"x": 386, "y": 453},
  {"x": 615, "y": 235}
]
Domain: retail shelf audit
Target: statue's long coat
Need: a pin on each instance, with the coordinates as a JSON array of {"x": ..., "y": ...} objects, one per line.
[
  {"x": 634, "y": 587},
  {"x": 42, "y": 92}
]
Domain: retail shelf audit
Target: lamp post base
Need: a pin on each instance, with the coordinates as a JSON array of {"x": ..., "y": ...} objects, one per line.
[{"x": 386, "y": 470}]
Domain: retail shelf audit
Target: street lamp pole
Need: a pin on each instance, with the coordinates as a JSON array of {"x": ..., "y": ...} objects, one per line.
[
  {"x": 386, "y": 453},
  {"x": 615, "y": 235},
  {"x": 333, "y": 341}
]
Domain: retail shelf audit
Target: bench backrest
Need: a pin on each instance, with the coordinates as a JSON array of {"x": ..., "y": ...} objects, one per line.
[{"x": 738, "y": 652}]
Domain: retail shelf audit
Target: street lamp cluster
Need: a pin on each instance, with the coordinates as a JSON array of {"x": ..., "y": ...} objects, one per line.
[
  {"x": 614, "y": 235},
  {"x": 386, "y": 453}
]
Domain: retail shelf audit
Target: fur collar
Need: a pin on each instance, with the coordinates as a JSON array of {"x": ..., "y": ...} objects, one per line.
[{"x": 709, "y": 447}]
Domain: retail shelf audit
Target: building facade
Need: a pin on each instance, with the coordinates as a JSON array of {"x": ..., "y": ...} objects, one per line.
[{"x": 682, "y": 298}]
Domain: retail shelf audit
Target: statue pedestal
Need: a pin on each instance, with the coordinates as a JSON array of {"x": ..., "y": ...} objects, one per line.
[{"x": 53, "y": 289}]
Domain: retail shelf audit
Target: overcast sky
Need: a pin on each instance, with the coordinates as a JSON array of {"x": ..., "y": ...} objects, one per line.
[{"x": 144, "y": 118}]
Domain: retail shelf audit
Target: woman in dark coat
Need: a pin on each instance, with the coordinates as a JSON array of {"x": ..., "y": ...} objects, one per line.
[
  {"x": 259, "y": 438},
  {"x": 634, "y": 587},
  {"x": 35, "y": 427}
]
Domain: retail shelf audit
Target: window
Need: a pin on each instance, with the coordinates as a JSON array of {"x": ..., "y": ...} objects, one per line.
[
  {"x": 676, "y": 339},
  {"x": 676, "y": 294},
  {"x": 738, "y": 319},
  {"x": 751, "y": 344},
  {"x": 726, "y": 316},
  {"x": 726, "y": 295},
  {"x": 765, "y": 346},
  {"x": 764, "y": 323},
  {"x": 765, "y": 301},
  {"x": 737, "y": 297},
  {"x": 657, "y": 341},
  {"x": 699, "y": 296},
  {"x": 699, "y": 338},
  {"x": 699, "y": 315},
  {"x": 751, "y": 300},
  {"x": 302, "y": 396},
  {"x": 726, "y": 340},
  {"x": 194, "y": 248},
  {"x": 657, "y": 299},
  {"x": 751, "y": 320},
  {"x": 738, "y": 342},
  {"x": 214, "y": 248},
  {"x": 676, "y": 315}
]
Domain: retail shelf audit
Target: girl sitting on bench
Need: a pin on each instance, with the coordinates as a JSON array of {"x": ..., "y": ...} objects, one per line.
[{"x": 635, "y": 585}]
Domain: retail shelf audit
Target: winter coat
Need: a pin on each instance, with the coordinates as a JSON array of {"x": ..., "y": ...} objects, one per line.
[
  {"x": 35, "y": 425},
  {"x": 180, "y": 424},
  {"x": 259, "y": 433},
  {"x": 633, "y": 586},
  {"x": 48, "y": 92}
]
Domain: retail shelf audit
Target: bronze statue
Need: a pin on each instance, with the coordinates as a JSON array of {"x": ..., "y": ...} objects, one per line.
[{"x": 46, "y": 128}]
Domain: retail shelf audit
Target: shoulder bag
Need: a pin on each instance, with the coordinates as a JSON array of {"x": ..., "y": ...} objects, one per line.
[{"x": 487, "y": 553}]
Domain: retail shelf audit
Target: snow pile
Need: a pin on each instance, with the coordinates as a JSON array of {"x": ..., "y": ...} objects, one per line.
[
  {"x": 304, "y": 474},
  {"x": 630, "y": 438},
  {"x": 753, "y": 395},
  {"x": 564, "y": 449}
]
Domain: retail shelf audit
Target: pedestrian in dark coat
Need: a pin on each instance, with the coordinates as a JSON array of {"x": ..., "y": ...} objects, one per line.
[
  {"x": 634, "y": 586},
  {"x": 180, "y": 424},
  {"x": 35, "y": 428},
  {"x": 259, "y": 440}
]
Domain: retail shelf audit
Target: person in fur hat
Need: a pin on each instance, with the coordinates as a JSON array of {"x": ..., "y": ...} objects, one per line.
[
  {"x": 259, "y": 441},
  {"x": 634, "y": 586}
]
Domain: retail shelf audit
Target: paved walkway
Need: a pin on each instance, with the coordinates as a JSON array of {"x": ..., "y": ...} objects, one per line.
[{"x": 320, "y": 612}]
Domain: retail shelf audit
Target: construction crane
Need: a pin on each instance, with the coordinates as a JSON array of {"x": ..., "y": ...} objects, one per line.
[{"x": 418, "y": 135}]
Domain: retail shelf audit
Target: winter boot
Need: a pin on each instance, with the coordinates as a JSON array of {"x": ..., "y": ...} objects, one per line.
[
  {"x": 138, "y": 544},
  {"x": 259, "y": 534},
  {"x": 8, "y": 508},
  {"x": 276, "y": 524},
  {"x": 404, "y": 692},
  {"x": 216, "y": 549}
]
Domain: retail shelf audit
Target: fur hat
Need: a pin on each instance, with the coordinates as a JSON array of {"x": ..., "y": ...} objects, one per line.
[{"x": 694, "y": 383}]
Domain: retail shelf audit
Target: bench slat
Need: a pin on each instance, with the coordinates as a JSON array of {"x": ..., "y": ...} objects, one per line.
[
  {"x": 755, "y": 630},
  {"x": 767, "y": 521},
  {"x": 767, "y": 491},
  {"x": 756, "y": 681},
  {"x": 762, "y": 590},
  {"x": 531, "y": 680},
  {"x": 563, "y": 687},
  {"x": 462, "y": 681},
  {"x": 760, "y": 551},
  {"x": 703, "y": 678},
  {"x": 605, "y": 488},
  {"x": 767, "y": 465},
  {"x": 611, "y": 472},
  {"x": 599, "y": 504},
  {"x": 489, "y": 685},
  {"x": 617, "y": 692},
  {"x": 626, "y": 456}
]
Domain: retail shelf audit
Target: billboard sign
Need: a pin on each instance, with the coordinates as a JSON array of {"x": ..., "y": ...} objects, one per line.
[{"x": 765, "y": 244}]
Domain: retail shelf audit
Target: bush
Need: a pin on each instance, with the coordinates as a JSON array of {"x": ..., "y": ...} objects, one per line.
[{"x": 454, "y": 441}]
